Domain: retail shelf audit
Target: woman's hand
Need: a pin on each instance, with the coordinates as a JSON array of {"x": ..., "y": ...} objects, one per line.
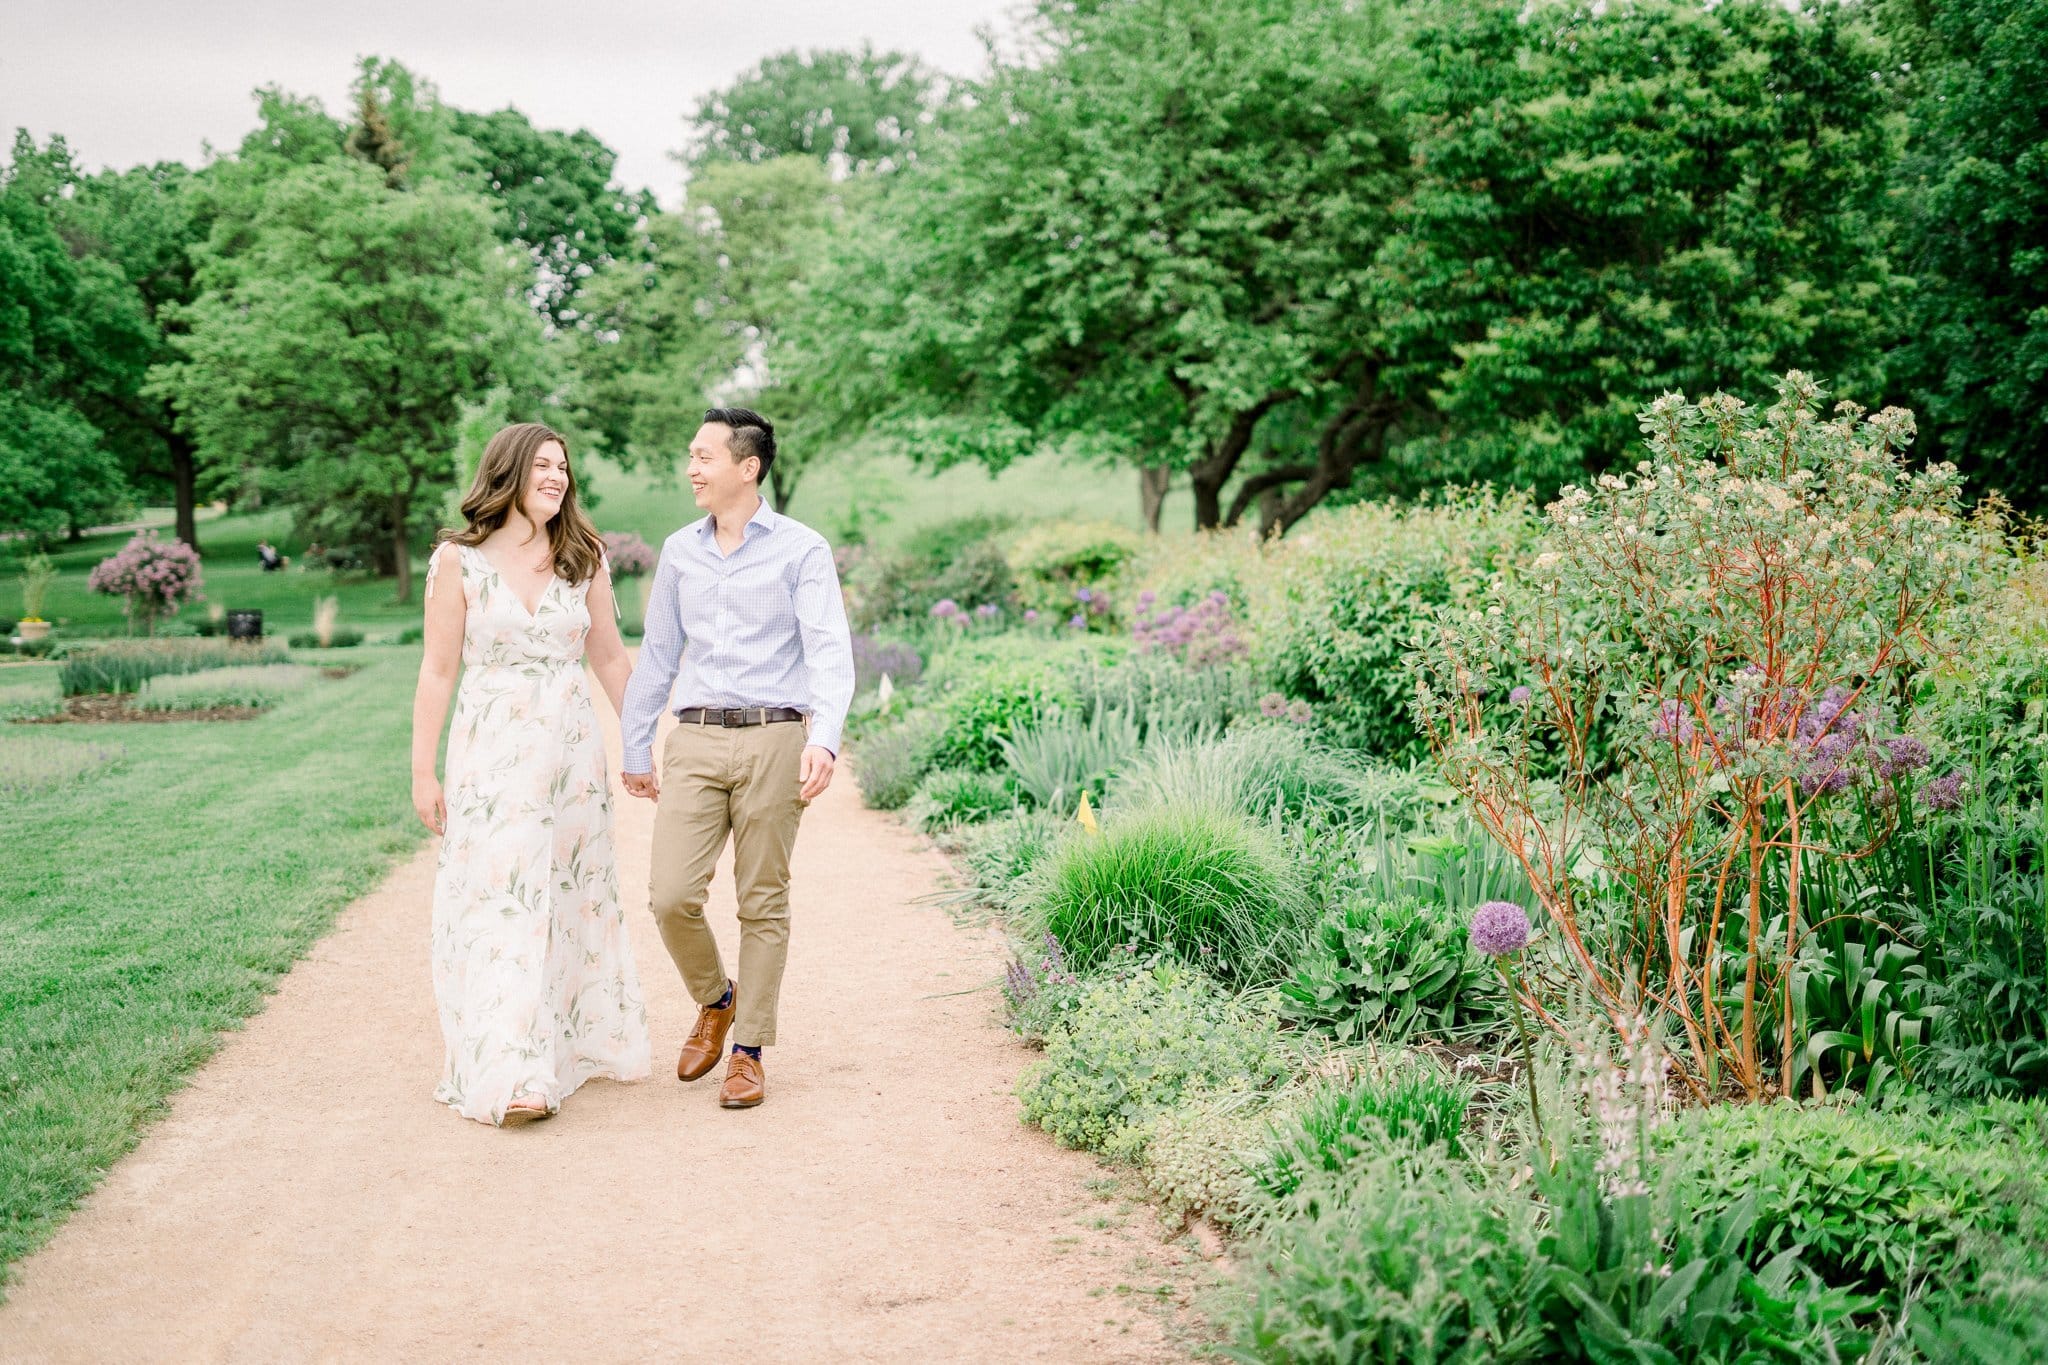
[{"x": 427, "y": 800}]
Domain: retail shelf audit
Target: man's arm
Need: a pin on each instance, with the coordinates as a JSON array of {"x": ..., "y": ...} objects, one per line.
[
  {"x": 828, "y": 648},
  {"x": 654, "y": 676}
]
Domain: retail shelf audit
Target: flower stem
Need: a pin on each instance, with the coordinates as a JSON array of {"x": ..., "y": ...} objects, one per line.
[{"x": 1528, "y": 1059}]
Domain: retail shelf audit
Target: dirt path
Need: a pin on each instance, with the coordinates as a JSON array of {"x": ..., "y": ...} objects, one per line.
[{"x": 307, "y": 1200}]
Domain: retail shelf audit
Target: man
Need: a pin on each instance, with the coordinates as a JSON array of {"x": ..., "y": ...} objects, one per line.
[{"x": 748, "y": 600}]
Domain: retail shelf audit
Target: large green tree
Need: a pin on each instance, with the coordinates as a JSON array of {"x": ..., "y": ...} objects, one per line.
[
  {"x": 1617, "y": 201},
  {"x": 853, "y": 111},
  {"x": 1974, "y": 365},
  {"x": 701, "y": 320},
  {"x": 336, "y": 337},
  {"x": 1139, "y": 248},
  {"x": 74, "y": 341}
]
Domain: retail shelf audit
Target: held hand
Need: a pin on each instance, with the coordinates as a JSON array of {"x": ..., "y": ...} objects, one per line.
[
  {"x": 816, "y": 772},
  {"x": 642, "y": 784},
  {"x": 427, "y": 800}
]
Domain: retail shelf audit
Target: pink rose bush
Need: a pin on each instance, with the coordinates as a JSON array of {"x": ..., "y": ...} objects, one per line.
[{"x": 156, "y": 576}]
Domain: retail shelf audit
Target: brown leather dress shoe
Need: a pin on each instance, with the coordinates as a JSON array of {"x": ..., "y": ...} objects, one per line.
[
  {"x": 744, "y": 1086},
  {"x": 706, "y": 1043}
]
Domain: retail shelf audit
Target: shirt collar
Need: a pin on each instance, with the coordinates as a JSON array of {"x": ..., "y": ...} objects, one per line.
[{"x": 765, "y": 518}]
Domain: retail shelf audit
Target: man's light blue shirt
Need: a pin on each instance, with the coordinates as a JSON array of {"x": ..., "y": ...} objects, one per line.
[{"x": 762, "y": 626}]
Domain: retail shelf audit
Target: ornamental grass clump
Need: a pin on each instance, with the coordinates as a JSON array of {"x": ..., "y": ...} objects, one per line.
[
  {"x": 124, "y": 666},
  {"x": 1206, "y": 885},
  {"x": 1708, "y": 644},
  {"x": 257, "y": 685}
]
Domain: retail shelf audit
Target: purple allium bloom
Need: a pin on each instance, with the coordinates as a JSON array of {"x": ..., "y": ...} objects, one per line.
[
  {"x": 988, "y": 611},
  {"x": 1219, "y": 597},
  {"x": 1079, "y": 622},
  {"x": 1272, "y": 706},
  {"x": 1821, "y": 777},
  {"x": 1943, "y": 793},
  {"x": 1147, "y": 598},
  {"x": 945, "y": 607},
  {"x": 1673, "y": 721},
  {"x": 1906, "y": 754},
  {"x": 1500, "y": 928},
  {"x": 1519, "y": 696},
  {"x": 1083, "y": 595},
  {"x": 1299, "y": 713},
  {"x": 1030, "y": 616}
]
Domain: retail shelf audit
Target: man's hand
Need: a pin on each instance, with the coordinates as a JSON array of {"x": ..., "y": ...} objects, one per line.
[
  {"x": 816, "y": 772},
  {"x": 642, "y": 784}
]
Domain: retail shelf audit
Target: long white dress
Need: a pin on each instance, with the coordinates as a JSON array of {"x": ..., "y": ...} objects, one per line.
[{"x": 532, "y": 969}]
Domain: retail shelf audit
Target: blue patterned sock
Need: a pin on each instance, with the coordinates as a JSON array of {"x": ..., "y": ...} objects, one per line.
[
  {"x": 753, "y": 1052},
  {"x": 725, "y": 999}
]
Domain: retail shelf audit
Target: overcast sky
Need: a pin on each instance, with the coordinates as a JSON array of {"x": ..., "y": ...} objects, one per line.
[{"x": 131, "y": 81}]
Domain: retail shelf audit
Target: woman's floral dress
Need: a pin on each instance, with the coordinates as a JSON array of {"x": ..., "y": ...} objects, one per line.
[{"x": 532, "y": 969}]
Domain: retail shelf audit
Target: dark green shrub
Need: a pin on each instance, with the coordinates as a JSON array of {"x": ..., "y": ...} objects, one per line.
[
  {"x": 985, "y": 691},
  {"x": 1341, "y": 1124},
  {"x": 1389, "y": 969},
  {"x": 1130, "y": 1048},
  {"x": 125, "y": 665},
  {"x": 1208, "y": 886},
  {"x": 950, "y": 797},
  {"x": 341, "y": 637},
  {"x": 957, "y": 561}
]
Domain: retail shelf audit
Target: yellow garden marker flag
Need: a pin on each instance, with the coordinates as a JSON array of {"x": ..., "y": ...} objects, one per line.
[{"x": 1085, "y": 818}]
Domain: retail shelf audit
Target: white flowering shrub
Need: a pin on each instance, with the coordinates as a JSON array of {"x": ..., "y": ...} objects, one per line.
[{"x": 1682, "y": 705}]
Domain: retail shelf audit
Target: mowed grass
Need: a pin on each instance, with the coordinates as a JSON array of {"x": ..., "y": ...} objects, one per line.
[
  {"x": 152, "y": 902},
  {"x": 881, "y": 500}
]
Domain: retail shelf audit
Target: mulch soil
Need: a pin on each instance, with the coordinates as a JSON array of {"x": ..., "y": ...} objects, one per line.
[{"x": 113, "y": 709}]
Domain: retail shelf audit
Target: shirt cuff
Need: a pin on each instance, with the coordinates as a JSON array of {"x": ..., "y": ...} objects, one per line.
[
  {"x": 825, "y": 737},
  {"x": 637, "y": 761}
]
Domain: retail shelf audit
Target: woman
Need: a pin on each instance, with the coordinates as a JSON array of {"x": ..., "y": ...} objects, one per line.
[{"x": 532, "y": 970}]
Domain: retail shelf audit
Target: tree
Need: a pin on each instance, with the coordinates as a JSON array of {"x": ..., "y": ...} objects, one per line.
[
  {"x": 555, "y": 199},
  {"x": 702, "y": 320},
  {"x": 73, "y": 341},
  {"x": 851, "y": 111},
  {"x": 1615, "y": 202},
  {"x": 335, "y": 338},
  {"x": 1975, "y": 359},
  {"x": 1139, "y": 249}
]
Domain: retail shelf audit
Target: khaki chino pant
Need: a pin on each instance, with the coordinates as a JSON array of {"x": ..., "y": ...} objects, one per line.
[{"x": 743, "y": 783}]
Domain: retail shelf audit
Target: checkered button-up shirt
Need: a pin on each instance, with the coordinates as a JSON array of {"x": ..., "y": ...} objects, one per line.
[{"x": 762, "y": 626}]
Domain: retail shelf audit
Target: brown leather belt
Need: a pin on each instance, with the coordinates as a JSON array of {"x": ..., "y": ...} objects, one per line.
[{"x": 735, "y": 717}]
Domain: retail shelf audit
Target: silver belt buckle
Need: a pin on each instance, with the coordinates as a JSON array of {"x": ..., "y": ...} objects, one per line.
[{"x": 732, "y": 717}]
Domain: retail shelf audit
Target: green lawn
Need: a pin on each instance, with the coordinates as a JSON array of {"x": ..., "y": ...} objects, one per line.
[
  {"x": 885, "y": 499},
  {"x": 156, "y": 893}
]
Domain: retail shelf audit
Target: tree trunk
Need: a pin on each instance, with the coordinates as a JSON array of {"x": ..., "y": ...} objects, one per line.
[
  {"x": 1153, "y": 481},
  {"x": 185, "y": 482},
  {"x": 401, "y": 551},
  {"x": 1208, "y": 475},
  {"x": 782, "y": 486}
]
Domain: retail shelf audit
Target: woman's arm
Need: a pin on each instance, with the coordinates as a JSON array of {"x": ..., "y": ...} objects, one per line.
[
  {"x": 605, "y": 649},
  {"x": 439, "y": 668}
]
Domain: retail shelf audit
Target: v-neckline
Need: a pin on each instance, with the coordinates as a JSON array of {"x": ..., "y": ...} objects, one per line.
[{"x": 532, "y": 612}]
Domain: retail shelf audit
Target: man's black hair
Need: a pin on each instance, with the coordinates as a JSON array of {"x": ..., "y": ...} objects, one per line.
[{"x": 752, "y": 434}]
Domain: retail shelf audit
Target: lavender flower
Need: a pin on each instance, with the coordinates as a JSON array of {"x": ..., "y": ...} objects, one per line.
[
  {"x": 1500, "y": 928},
  {"x": 1943, "y": 793},
  {"x": 1519, "y": 696},
  {"x": 1673, "y": 722}
]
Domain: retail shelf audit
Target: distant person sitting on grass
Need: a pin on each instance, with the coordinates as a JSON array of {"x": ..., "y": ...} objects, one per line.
[{"x": 271, "y": 559}]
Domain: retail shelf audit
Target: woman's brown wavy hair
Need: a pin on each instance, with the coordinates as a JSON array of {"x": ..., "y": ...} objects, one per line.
[{"x": 500, "y": 486}]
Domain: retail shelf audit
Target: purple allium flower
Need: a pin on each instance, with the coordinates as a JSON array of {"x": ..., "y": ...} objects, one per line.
[
  {"x": 1218, "y": 597},
  {"x": 1299, "y": 713},
  {"x": 1905, "y": 754},
  {"x": 1147, "y": 598},
  {"x": 1943, "y": 793},
  {"x": 988, "y": 611},
  {"x": 945, "y": 607},
  {"x": 1519, "y": 696},
  {"x": 1078, "y": 622},
  {"x": 1500, "y": 928},
  {"x": 1673, "y": 721},
  {"x": 1272, "y": 706},
  {"x": 1822, "y": 777},
  {"x": 1030, "y": 617},
  {"x": 1083, "y": 595}
]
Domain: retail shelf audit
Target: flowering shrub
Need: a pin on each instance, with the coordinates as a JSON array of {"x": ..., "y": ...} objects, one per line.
[
  {"x": 1724, "y": 624},
  {"x": 1065, "y": 569},
  {"x": 630, "y": 556},
  {"x": 156, "y": 576},
  {"x": 1199, "y": 636}
]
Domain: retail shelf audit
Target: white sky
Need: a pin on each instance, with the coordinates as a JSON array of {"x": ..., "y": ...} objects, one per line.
[{"x": 131, "y": 81}]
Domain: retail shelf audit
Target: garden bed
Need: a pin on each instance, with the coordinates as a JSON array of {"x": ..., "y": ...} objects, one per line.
[{"x": 113, "y": 708}]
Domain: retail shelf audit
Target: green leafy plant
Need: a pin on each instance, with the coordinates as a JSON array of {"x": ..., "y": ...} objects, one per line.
[
  {"x": 1062, "y": 756},
  {"x": 1340, "y": 1124},
  {"x": 1132, "y": 1047},
  {"x": 949, "y": 798},
  {"x": 37, "y": 573},
  {"x": 1388, "y": 969},
  {"x": 1056, "y": 561},
  {"x": 1205, "y": 885},
  {"x": 891, "y": 762}
]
